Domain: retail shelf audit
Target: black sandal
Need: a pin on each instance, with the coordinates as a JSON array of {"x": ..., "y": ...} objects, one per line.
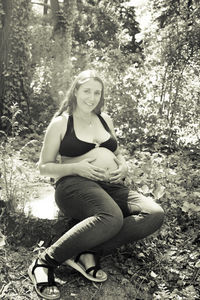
[
  {"x": 40, "y": 286},
  {"x": 78, "y": 266}
]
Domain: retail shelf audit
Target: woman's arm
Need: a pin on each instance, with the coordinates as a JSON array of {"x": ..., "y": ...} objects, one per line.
[{"x": 48, "y": 165}]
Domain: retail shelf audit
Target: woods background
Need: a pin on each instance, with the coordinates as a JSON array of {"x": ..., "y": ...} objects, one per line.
[{"x": 148, "y": 53}]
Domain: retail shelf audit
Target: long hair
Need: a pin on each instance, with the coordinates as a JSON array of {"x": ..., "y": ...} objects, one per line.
[{"x": 69, "y": 103}]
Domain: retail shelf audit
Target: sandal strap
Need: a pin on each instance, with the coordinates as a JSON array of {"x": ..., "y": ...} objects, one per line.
[
  {"x": 38, "y": 265},
  {"x": 51, "y": 280},
  {"x": 95, "y": 269}
]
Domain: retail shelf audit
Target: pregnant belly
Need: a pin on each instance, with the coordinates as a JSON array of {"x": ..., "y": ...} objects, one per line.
[{"x": 103, "y": 158}]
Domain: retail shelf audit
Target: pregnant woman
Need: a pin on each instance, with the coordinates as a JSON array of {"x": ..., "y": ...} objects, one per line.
[{"x": 89, "y": 188}]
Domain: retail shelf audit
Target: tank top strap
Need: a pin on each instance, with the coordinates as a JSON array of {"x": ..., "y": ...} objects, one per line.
[
  {"x": 105, "y": 125},
  {"x": 69, "y": 128}
]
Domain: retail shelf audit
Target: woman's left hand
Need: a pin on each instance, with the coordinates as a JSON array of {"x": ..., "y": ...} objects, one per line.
[{"x": 120, "y": 173}]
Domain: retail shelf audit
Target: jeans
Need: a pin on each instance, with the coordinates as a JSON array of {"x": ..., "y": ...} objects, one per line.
[{"x": 108, "y": 216}]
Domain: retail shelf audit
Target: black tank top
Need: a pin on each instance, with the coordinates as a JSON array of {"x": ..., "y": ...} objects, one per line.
[{"x": 71, "y": 146}]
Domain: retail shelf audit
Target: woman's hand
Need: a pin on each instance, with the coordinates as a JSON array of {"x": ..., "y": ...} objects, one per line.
[
  {"x": 85, "y": 168},
  {"x": 120, "y": 173}
]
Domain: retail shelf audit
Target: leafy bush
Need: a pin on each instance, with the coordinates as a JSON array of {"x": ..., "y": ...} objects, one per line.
[
  {"x": 174, "y": 179},
  {"x": 14, "y": 179}
]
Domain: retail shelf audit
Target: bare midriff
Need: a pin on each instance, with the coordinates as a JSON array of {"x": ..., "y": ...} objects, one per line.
[{"x": 103, "y": 158}]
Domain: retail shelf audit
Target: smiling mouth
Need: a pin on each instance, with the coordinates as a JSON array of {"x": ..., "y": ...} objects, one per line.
[{"x": 89, "y": 104}]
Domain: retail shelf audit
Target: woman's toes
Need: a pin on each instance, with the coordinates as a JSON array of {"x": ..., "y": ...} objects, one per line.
[
  {"x": 52, "y": 290},
  {"x": 101, "y": 274}
]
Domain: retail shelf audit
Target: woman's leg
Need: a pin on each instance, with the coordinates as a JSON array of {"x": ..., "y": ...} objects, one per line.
[
  {"x": 100, "y": 218},
  {"x": 142, "y": 217}
]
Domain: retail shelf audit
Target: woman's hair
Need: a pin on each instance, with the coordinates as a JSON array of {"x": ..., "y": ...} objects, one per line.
[{"x": 69, "y": 103}]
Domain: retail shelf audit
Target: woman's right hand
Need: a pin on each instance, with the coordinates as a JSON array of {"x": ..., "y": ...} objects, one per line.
[{"x": 85, "y": 168}]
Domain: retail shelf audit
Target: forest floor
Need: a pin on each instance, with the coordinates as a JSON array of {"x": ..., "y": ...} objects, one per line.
[{"x": 163, "y": 266}]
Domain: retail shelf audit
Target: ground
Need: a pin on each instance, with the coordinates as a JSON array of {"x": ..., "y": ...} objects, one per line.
[{"x": 163, "y": 266}]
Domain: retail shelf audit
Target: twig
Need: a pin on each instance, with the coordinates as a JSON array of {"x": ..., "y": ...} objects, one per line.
[
  {"x": 4, "y": 290},
  {"x": 93, "y": 296}
]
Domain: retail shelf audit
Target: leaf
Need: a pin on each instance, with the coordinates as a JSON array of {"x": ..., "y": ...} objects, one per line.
[
  {"x": 124, "y": 281},
  {"x": 144, "y": 189},
  {"x": 187, "y": 206},
  {"x": 73, "y": 295},
  {"x": 2, "y": 240},
  {"x": 40, "y": 247},
  {"x": 141, "y": 255},
  {"x": 196, "y": 194},
  {"x": 130, "y": 272},
  {"x": 41, "y": 243},
  {"x": 159, "y": 191},
  {"x": 197, "y": 265},
  {"x": 153, "y": 274}
]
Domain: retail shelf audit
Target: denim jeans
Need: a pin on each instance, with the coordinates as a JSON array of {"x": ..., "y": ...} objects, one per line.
[{"x": 108, "y": 216}]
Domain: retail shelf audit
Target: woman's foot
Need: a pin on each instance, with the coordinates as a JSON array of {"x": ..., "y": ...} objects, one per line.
[
  {"x": 43, "y": 279},
  {"x": 88, "y": 261},
  {"x": 86, "y": 264}
]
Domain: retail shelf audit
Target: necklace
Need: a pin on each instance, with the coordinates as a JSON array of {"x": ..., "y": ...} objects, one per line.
[{"x": 85, "y": 120}]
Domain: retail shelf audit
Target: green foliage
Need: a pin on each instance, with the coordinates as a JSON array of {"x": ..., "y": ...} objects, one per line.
[
  {"x": 165, "y": 265},
  {"x": 152, "y": 93},
  {"x": 173, "y": 178},
  {"x": 151, "y": 73},
  {"x": 16, "y": 74},
  {"x": 171, "y": 65},
  {"x": 42, "y": 105},
  {"x": 1, "y": 14},
  {"x": 105, "y": 24},
  {"x": 14, "y": 179}
]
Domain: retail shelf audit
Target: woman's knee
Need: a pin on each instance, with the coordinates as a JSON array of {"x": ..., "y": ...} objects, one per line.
[
  {"x": 113, "y": 221},
  {"x": 117, "y": 219}
]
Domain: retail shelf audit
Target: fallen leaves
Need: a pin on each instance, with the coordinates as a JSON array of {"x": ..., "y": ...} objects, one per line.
[{"x": 2, "y": 240}]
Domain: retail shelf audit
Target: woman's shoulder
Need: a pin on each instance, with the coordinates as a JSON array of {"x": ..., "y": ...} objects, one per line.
[
  {"x": 60, "y": 120},
  {"x": 58, "y": 123}
]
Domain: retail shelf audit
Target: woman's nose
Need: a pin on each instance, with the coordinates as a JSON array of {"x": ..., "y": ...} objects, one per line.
[{"x": 92, "y": 96}]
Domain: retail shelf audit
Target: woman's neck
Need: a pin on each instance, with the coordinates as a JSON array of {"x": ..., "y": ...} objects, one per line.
[{"x": 82, "y": 115}]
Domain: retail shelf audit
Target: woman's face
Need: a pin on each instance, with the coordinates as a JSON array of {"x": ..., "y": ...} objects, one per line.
[{"x": 88, "y": 95}]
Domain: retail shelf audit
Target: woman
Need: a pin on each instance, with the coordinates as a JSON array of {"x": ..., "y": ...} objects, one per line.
[{"x": 89, "y": 188}]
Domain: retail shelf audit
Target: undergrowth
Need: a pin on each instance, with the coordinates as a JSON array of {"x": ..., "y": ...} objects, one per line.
[
  {"x": 15, "y": 155},
  {"x": 163, "y": 266}
]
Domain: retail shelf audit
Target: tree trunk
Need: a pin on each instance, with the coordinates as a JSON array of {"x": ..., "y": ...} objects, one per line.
[
  {"x": 5, "y": 21},
  {"x": 45, "y": 7},
  {"x": 62, "y": 36}
]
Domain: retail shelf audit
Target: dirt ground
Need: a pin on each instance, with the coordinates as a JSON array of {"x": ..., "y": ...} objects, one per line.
[{"x": 23, "y": 236}]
